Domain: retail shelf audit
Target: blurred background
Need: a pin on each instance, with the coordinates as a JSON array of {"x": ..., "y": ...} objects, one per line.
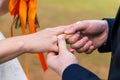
[{"x": 52, "y": 13}]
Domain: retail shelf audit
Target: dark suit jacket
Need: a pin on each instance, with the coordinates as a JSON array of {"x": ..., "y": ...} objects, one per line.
[{"x": 76, "y": 72}]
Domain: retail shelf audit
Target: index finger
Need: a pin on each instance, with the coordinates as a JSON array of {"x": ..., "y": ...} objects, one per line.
[
  {"x": 79, "y": 26},
  {"x": 59, "y": 30}
]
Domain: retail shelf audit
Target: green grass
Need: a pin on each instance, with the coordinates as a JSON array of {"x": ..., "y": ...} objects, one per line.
[
  {"x": 60, "y": 12},
  {"x": 53, "y": 13}
]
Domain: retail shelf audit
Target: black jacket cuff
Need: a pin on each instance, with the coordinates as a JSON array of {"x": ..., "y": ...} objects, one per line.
[
  {"x": 76, "y": 72},
  {"x": 106, "y": 47}
]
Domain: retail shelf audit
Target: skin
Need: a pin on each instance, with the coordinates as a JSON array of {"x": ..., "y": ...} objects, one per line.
[
  {"x": 32, "y": 43},
  {"x": 37, "y": 42},
  {"x": 61, "y": 60},
  {"x": 87, "y": 35}
]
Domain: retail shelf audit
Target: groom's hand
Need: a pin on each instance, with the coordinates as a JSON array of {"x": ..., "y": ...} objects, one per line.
[{"x": 88, "y": 35}]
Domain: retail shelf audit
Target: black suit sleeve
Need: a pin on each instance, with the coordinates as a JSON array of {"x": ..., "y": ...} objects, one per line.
[
  {"x": 76, "y": 72},
  {"x": 106, "y": 47}
]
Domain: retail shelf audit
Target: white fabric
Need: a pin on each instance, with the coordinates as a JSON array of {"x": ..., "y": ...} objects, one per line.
[{"x": 12, "y": 69}]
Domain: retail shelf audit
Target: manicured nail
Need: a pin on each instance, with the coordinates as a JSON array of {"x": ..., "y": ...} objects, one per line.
[
  {"x": 78, "y": 22},
  {"x": 72, "y": 50}
]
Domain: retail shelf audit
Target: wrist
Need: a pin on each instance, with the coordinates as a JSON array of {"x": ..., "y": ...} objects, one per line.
[
  {"x": 63, "y": 69},
  {"x": 20, "y": 42},
  {"x": 106, "y": 47},
  {"x": 26, "y": 40},
  {"x": 104, "y": 34},
  {"x": 106, "y": 31},
  {"x": 109, "y": 23},
  {"x": 32, "y": 43},
  {"x": 15, "y": 45},
  {"x": 67, "y": 65}
]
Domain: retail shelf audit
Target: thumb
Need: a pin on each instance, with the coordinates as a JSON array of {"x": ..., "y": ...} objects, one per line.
[
  {"x": 50, "y": 58},
  {"x": 78, "y": 26},
  {"x": 62, "y": 43}
]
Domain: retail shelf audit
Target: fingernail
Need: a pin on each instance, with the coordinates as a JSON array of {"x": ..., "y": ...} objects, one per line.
[
  {"x": 77, "y": 23},
  {"x": 72, "y": 50}
]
